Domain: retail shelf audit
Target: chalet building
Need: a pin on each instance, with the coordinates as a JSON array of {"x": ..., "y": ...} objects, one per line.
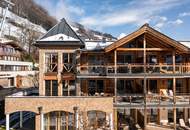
[
  {"x": 13, "y": 70},
  {"x": 139, "y": 81}
]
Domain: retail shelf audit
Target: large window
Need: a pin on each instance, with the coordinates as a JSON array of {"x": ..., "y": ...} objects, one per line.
[
  {"x": 153, "y": 86},
  {"x": 123, "y": 58},
  {"x": 96, "y": 119},
  {"x": 59, "y": 120},
  {"x": 96, "y": 59},
  {"x": 69, "y": 88},
  {"x": 51, "y": 88},
  {"x": 168, "y": 59},
  {"x": 124, "y": 87},
  {"x": 51, "y": 60},
  {"x": 95, "y": 87}
]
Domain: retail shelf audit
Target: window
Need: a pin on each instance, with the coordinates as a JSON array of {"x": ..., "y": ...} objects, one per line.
[
  {"x": 59, "y": 120},
  {"x": 152, "y": 59},
  {"x": 95, "y": 86},
  {"x": 168, "y": 59},
  {"x": 51, "y": 60},
  {"x": 68, "y": 62},
  {"x": 153, "y": 86},
  {"x": 179, "y": 59},
  {"x": 96, "y": 59},
  {"x": 54, "y": 88},
  {"x": 51, "y": 88},
  {"x": 53, "y": 118},
  {"x": 122, "y": 58},
  {"x": 179, "y": 86},
  {"x": 48, "y": 88},
  {"x": 124, "y": 87},
  {"x": 69, "y": 88},
  {"x": 67, "y": 57},
  {"x": 92, "y": 87},
  {"x": 96, "y": 119}
]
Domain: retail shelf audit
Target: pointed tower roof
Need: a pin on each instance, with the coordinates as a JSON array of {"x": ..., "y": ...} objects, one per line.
[{"x": 62, "y": 35}]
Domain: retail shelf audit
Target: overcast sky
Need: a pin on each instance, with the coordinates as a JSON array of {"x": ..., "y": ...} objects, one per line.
[{"x": 116, "y": 17}]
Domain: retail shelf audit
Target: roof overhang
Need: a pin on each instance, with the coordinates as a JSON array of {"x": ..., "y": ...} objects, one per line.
[
  {"x": 59, "y": 44},
  {"x": 147, "y": 30}
]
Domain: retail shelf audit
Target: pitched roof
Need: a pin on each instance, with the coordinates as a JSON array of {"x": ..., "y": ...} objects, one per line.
[
  {"x": 146, "y": 29},
  {"x": 61, "y": 32}
]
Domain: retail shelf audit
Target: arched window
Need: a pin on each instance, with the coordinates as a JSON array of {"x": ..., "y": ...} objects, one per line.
[
  {"x": 59, "y": 120},
  {"x": 96, "y": 119}
]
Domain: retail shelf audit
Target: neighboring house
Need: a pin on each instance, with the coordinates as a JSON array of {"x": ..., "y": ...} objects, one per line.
[
  {"x": 14, "y": 72},
  {"x": 88, "y": 85}
]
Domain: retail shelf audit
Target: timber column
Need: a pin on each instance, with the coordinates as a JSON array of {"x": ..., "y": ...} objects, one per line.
[
  {"x": 174, "y": 90},
  {"x": 115, "y": 89},
  {"x": 77, "y": 63},
  {"x": 144, "y": 61},
  {"x": 59, "y": 76}
]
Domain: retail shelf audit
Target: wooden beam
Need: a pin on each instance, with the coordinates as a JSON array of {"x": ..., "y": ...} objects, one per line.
[
  {"x": 144, "y": 53},
  {"x": 52, "y": 77},
  {"x": 115, "y": 79},
  {"x": 174, "y": 89},
  {"x": 142, "y": 49},
  {"x": 173, "y": 60},
  {"x": 174, "y": 102},
  {"x": 144, "y": 61}
]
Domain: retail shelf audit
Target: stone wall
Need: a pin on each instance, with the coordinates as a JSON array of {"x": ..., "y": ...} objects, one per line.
[{"x": 14, "y": 104}]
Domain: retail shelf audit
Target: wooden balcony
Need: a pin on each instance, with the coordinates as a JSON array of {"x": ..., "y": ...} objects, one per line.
[{"x": 130, "y": 69}]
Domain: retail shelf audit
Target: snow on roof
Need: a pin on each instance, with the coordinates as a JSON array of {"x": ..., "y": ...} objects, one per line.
[
  {"x": 61, "y": 28},
  {"x": 185, "y": 43},
  {"x": 59, "y": 37},
  {"x": 96, "y": 45}
]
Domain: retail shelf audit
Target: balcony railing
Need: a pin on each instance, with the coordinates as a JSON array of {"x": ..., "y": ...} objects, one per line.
[
  {"x": 14, "y": 53},
  {"x": 103, "y": 70},
  {"x": 152, "y": 100}
]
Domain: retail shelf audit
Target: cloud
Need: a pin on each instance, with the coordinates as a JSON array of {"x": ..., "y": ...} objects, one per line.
[
  {"x": 163, "y": 22},
  {"x": 159, "y": 22},
  {"x": 121, "y": 35},
  {"x": 135, "y": 12},
  {"x": 61, "y": 8},
  {"x": 176, "y": 22},
  {"x": 184, "y": 14},
  {"x": 76, "y": 10}
]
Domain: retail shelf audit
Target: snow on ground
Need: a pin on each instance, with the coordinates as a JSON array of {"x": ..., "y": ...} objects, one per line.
[{"x": 13, "y": 30}]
